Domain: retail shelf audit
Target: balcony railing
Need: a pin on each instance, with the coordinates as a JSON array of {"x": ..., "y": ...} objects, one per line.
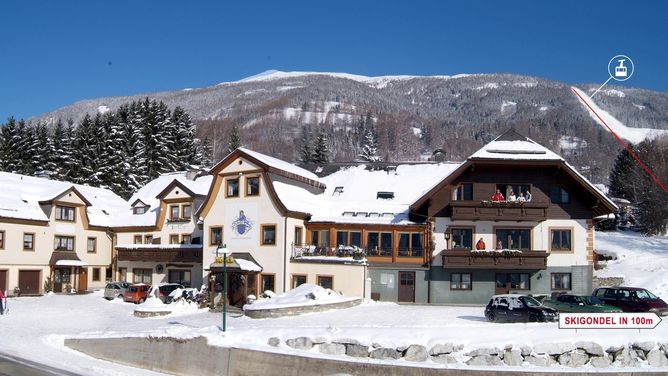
[
  {"x": 503, "y": 259},
  {"x": 161, "y": 255},
  {"x": 356, "y": 253},
  {"x": 494, "y": 210}
]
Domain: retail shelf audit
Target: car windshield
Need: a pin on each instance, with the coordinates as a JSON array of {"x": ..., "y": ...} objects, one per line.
[
  {"x": 645, "y": 295},
  {"x": 592, "y": 300},
  {"x": 529, "y": 301}
]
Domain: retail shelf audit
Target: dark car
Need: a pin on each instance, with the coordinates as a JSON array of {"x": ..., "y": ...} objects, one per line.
[
  {"x": 580, "y": 304},
  {"x": 164, "y": 289},
  {"x": 518, "y": 308},
  {"x": 632, "y": 299}
]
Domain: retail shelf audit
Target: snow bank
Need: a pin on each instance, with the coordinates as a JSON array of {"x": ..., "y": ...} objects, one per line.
[{"x": 304, "y": 295}]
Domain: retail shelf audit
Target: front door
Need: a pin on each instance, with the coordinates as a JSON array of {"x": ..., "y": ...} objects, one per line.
[
  {"x": 406, "y": 287},
  {"x": 3, "y": 281},
  {"x": 61, "y": 278},
  {"x": 502, "y": 284},
  {"x": 83, "y": 279}
]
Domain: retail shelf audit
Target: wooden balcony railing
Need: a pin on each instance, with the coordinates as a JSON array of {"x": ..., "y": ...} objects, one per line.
[
  {"x": 161, "y": 255},
  {"x": 507, "y": 259},
  {"x": 488, "y": 210}
]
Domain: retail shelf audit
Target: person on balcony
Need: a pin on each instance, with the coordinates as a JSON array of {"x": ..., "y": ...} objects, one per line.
[
  {"x": 480, "y": 245},
  {"x": 498, "y": 196},
  {"x": 521, "y": 198},
  {"x": 512, "y": 197},
  {"x": 528, "y": 196},
  {"x": 499, "y": 245}
]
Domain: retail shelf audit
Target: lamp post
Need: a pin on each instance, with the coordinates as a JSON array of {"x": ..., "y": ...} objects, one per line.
[{"x": 225, "y": 252}]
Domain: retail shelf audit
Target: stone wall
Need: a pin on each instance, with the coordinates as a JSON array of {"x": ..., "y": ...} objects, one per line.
[{"x": 294, "y": 311}]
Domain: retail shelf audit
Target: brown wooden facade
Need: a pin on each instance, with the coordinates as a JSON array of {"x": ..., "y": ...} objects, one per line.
[
  {"x": 465, "y": 259},
  {"x": 190, "y": 255}
]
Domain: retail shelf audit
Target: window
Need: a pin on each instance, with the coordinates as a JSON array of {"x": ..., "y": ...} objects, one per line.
[
  {"x": 464, "y": 192},
  {"x": 519, "y": 281},
  {"x": 515, "y": 188},
  {"x": 137, "y": 239},
  {"x": 186, "y": 213},
  {"x": 560, "y": 240},
  {"x": 410, "y": 244},
  {"x": 252, "y": 186},
  {"x": 298, "y": 279},
  {"x": 91, "y": 245},
  {"x": 268, "y": 234},
  {"x": 96, "y": 274},
  {"x": 232, "y": 188},
  {"x": 355, "y": 239},
  {"x": 28, "y": 242},
  {"x": 267, "y": 282},
  {"x": 216, "y": 236},
  {"x": 326, "y": 282},
  {"x": 341, "y": 238},
  {"x": 142, "y": 276},
  {"x": 337, "y": 191},
  {"x": 2, "y": 240},
  {"x": 386, "y": 244},
  {"x": 108, "y": 274},
  {"x": 173, "y": 239},
  {"x": 561, "y": 281},
  {"x": 460, "y": 281},
  {"x": 298, "y": 236},
  {"x": 558, "y": 195},
  {"x": 519, "y": 239},
  {"x": 174, "y": 212},
  {"x": 384, "y": 195},
  {"x": 65, "y": 213},
  {"x": 179, "y": 276},
  {"x": 63, "y": 243},
  {"x": 186, "y": 239},
  {"x": 462, "y": 238},
  {"x": 139, "y": 210},
  {"x": 320, "y": 238},
  {"x": 148, "y": 239}
]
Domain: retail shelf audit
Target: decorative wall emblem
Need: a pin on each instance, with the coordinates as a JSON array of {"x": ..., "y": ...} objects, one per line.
[{"x": 242, "y": 225}]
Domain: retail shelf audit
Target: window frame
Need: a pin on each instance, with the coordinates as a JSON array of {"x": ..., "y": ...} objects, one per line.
[
  {"x": 137, "y": 237},
  {"x": 59, "y": 213},
  {"x": 94, "y": 239},
  {"x": 458, "y": 287},
  {"x": 562, "y": 191},
  {"x": 273, "y": 281},
  {"x": 2, "y": 239},
  {"x": 452, "y": 236},
  {"x": 227, "y": 187},
  {"x": 248, "y": 190},
  {"x": 32, "y": 247},
  {"x": 143, "y": 271},
  {"x": 171, "y": 212},
  {"x": 99, "y": 275},
  {"x": 460, "y": 192},
  {"x": 518, "y": 228},
  {"x": 295, "y": 276},
  {"x": 318, "y": 278},
  {"x": 148, "y": 239},
  {"x": 174, "y": 236},
  {"x": 299, "y": 236},
  {"x": 263, "y": 243},
  {"x": 56, "y": 241},
  {"x": 183, "y": 211},
  {"x": 553, "y": 285},
  {"x": 211, "y": 229},
  {"x": 186, "y": 236},
  {"x": 561, "y": 250}
]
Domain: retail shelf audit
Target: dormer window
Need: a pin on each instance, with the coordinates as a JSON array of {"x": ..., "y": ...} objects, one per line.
[
  {"x": 139, "y": 209},
  {"x": 337, "y": 191},
  {"x": 64, "y": 213},
  {"x": 385, "y": 195},
  {"x": 174, "y": 212},
  {"x": 186, "y": 213}
]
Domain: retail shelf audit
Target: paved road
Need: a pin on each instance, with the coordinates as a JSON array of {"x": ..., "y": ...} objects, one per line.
[{"x": 12, "y": 366}]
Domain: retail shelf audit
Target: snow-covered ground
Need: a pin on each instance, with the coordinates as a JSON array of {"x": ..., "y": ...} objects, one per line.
[
  {"x": 35, "y": 328},
  {"x": 305, "y": 295}
]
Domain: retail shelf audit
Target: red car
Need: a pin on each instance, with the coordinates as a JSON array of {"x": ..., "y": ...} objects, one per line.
[{"x": 136, "y": 293}]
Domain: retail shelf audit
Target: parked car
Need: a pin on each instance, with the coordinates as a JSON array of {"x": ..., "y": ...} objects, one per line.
[
  {"x": 576, "y": 303},
  {"x": 115, "y": 289},
  {"x": 632, "y": 299},
  {"x": 165, "y": 289},
  {"x": 516, "y": 307},
  {"x": 136, "y": 293}
]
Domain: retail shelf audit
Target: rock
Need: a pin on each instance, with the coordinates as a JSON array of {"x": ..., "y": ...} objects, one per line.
[
  {"x": 640, "y": 354},
  {"x": 416, "y": 353},
  {"x": 644, "y": 346},
  {"x": 300, "y": 343},
  {"x": 626, "y": 358},
  {"x": 319, "y": 340},
  {"x": 485, "y": 360},
  {"x": 664, "y": 348},
  {"x": 526, "y": 350},
  {"x": 459, "y": 348},
  {"x": 384, "y": 353},
  {"x": 553, "y": 348},
  {"x": 332, "y": 348},
  {"x": 577, "y": 358},
  {"x": 484, "y": 351},
  {"x": 540, "y": 360},
  {"x": 358, "y": 351},
  {"x": 591, "y": 348},
  {"x": 513, "y": 357},
  {"x": 444, "y": 358},
  {"x": 507, "y": 347},
  {"x": 376, "y": 345},
  {"x": 346, "y": 341},
  {"x": 273, "y": 341},
  {"x": 614, "y": 349},
  {"x": 401, "y": 349},
  {"x": 444, "y": 348},
  {"x": 656, "y": 358},
  {"x": 600, "y": 361}
]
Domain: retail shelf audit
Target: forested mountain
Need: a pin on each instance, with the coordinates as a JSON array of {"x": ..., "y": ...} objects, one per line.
[{"x": 410, "y": 117}]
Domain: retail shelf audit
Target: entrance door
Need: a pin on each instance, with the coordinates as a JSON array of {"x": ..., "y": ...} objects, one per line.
[
  {"x": 61, "y": 278},
  {"x": 29, "y": 282},
  {"x": 3, "y": 281},
  {"x": 406, "y": 287},
  {"x": 83, "y": 279},
  {"x": 502, "y": 284}
]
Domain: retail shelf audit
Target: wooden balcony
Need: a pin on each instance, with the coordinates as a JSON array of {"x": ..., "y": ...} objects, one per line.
[
  {"x": 498, "y": 211},
  {"x": 189, "y": 255},
  {"x": 466, "y": 259}
]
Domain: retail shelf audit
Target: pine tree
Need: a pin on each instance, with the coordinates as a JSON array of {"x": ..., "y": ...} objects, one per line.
[
  {"x": 45, "y": 158},
  {"x": 235, "y": 139},
  {"x": 321, "y": 149},
  {"x": 370, "y": 147},
  {"x": 69, "y": 167},
  {"x": 184, "y": 140},
  {"x": 622, "y": 176},
  {"x": 204, "y": 152},
  {"x": 305, "y": 152},
  {"x": 9, "y": 156},
  {"x": 26, "y": 147}
]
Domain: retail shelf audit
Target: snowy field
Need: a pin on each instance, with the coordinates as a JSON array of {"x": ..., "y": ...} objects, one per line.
[{"x": 35, "y": 328}]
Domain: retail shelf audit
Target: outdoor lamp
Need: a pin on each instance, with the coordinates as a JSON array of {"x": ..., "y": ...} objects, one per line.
[
  {"x": 446, "y": 235},
  {"x": 222, "y": 250}
]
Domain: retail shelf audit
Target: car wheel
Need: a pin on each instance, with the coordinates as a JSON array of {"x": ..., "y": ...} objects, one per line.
[
  {"x": 107, "y": 298},
  {"x": 491, "y": 317},
  {"x": 141, "y": 301},
  {"x": 120, "y": 296}
]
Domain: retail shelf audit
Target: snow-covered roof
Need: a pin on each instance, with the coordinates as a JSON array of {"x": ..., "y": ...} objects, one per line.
[
  {"x": 515, "y": 150},
  {"x": 20, "y": 198},
  {"x": 281, "y": 165},
  {"x": 148, "y": 194}
]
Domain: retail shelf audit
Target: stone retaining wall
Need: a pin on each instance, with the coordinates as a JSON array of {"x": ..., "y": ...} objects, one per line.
[{"x": 294, "y": 311}]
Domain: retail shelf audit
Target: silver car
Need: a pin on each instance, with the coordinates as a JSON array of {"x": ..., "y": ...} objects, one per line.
[{"x": 115, "y": 289}]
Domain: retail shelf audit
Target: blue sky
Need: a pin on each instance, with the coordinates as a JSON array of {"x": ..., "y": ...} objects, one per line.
[{"x": 53, "y": 53}]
